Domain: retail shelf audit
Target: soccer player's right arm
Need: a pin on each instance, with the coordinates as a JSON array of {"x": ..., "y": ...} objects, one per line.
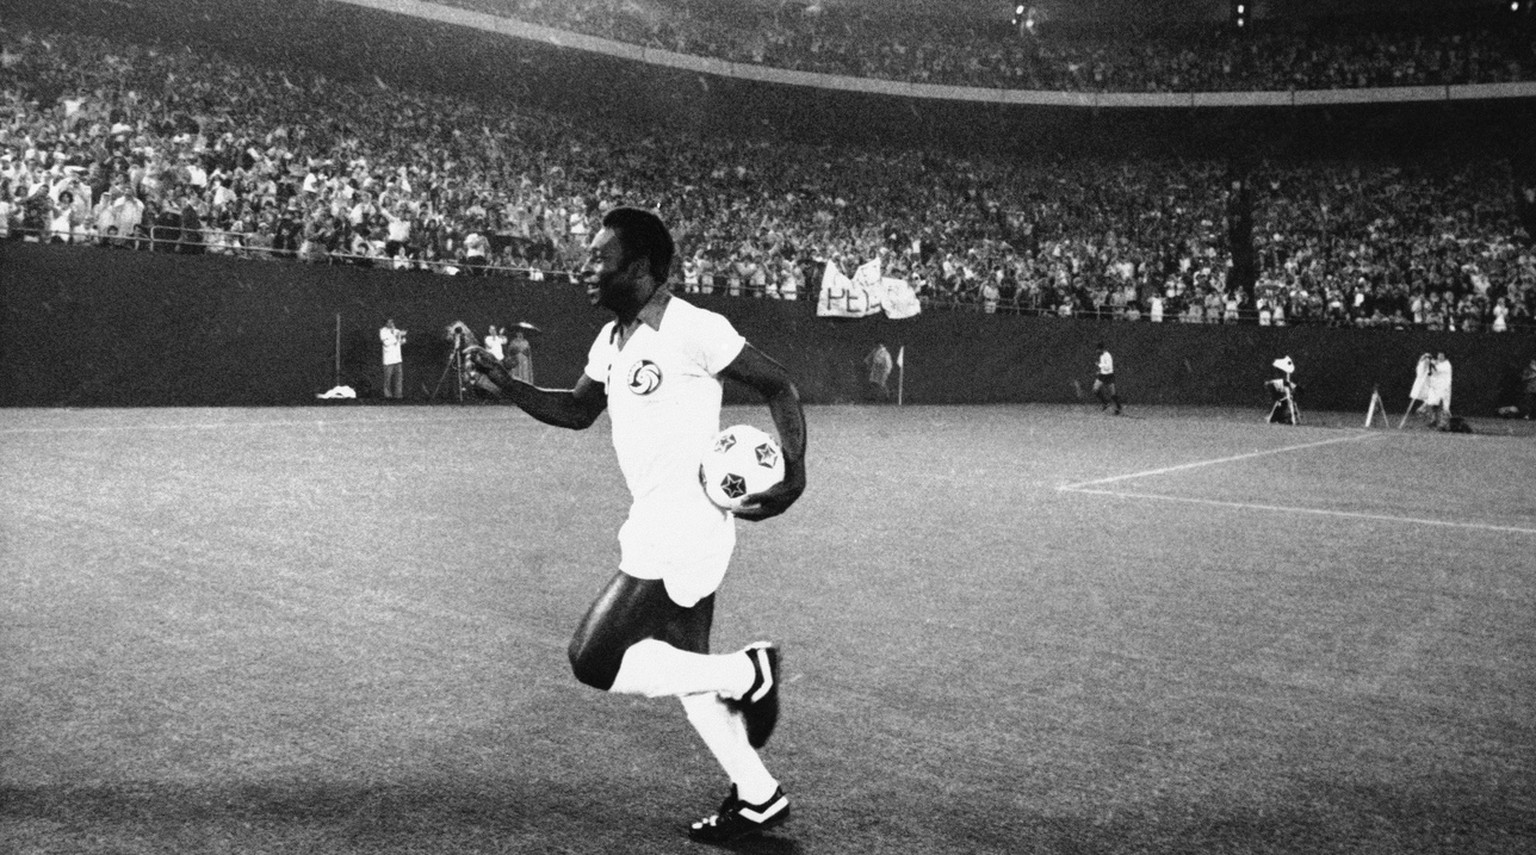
[{"x": 576, "y": 408}]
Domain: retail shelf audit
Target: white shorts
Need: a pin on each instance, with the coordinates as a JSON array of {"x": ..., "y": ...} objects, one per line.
[{"x": 683, "y": 540}]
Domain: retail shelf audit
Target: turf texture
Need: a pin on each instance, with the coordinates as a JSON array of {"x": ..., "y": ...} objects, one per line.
[{"x": 1006, "y": 629}]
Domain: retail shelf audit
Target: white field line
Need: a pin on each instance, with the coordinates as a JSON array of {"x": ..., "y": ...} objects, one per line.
[
  {"x": 1214, "y": 461},
  {"x": 1087, "y": 487},
  {"x": 1290, "y": 509}
]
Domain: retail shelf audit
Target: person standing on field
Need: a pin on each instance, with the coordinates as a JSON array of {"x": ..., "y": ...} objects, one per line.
[
  {"x": 657, "y": 370},
  {"x": 520, "y": 357},
  {"x": 496, "y": 342},
  {"x": 1437, "y": 397},
  {"x": 394, "y": 369},
  {"x": 880, "y": 365},
  {"x": 1104, "y": 381}
]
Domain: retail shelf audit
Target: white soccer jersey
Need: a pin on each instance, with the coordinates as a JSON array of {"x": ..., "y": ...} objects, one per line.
[
  {"x": 664, "y": 398},
  {"x": 1106, "y": 363}
]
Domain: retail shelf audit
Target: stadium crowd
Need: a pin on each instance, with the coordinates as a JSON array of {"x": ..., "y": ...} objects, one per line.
[
  {"x": 946, "y": 47},
  {"x": 131, "y": 146}
]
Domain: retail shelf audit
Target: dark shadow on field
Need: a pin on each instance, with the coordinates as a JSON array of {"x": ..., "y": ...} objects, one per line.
[
  {"x": 532, "y": 814},
  {"x": 384, "y": 806},
  {"x": 765, "y": 844},
  {"x": 1450, "y": 816},
  {"x": 547, "y": 815}
]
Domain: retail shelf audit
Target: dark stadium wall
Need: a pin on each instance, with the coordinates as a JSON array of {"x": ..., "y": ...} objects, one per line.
[
  {"x": 97, "y": 327},
  {"x": 89, "y": 326}
]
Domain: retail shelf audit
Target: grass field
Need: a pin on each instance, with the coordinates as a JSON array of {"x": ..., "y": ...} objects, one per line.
[{"x": 1006, "y": 629}]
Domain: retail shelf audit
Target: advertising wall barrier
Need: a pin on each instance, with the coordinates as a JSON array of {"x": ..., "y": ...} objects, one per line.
[{"x": 88, "y": 326}]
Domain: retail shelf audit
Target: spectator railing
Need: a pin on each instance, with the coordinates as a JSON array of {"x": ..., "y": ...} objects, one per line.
[{"x": 237, "y": 244}]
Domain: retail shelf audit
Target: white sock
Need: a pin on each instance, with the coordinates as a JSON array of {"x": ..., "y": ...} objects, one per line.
[
  {"x": 655, "y": 669},
  {"x": 725, "y": 734}
]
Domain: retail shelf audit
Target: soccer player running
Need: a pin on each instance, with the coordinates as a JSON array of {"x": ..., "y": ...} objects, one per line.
[
  {"x": 1104, "y": 383},
  {"x": 657, "y": 369}
]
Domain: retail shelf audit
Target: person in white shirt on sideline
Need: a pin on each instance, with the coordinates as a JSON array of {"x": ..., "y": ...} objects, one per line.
[
  {"x": 394, "y": 368},
  {"x": 1104, "y": 381},
  {"x": 1437, "y": 392}
]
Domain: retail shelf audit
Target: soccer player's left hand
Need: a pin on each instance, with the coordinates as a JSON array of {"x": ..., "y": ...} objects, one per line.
[{"x": 776, "y": 499}]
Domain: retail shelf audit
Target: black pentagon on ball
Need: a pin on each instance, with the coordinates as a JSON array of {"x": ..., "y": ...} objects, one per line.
[
  {"x": 733, "y": 486},
  {"x": 767, "y": 455}
]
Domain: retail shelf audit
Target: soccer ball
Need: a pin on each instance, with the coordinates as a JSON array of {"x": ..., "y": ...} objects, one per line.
[{"x": 741, "y": 461}]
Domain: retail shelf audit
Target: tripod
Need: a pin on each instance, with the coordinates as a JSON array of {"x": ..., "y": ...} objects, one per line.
[
  {"x": 1284, "y": 410},
  {"x": 455, "y": 367}
]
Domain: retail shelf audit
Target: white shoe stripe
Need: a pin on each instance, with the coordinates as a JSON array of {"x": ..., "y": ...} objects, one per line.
[
  {"x": 774, "y": 808},
  {"x": 760, "y": 658}
]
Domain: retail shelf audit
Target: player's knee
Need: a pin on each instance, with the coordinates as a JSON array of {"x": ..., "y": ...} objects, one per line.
[{"x": 595, "y": 668}]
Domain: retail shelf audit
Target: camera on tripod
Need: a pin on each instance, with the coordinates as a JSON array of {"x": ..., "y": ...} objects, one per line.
[
  {"x": 1283, "y": 393},
  {"x": 459, "y": 366},
  {"x": 459, "y": 333}
]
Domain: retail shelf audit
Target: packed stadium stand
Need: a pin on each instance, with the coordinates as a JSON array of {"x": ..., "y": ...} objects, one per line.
[
  {"x": 165, "y": 139},
  {"x": 995, "y": 46}
]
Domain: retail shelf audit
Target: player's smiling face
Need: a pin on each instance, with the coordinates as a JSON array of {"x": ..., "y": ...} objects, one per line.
[{"x": 610, "y": 282}]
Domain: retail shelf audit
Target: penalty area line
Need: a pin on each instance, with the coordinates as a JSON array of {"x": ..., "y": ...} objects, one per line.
[
  {"x": 1212, "y": 462},
  {"x": 1291, "y": 509}
]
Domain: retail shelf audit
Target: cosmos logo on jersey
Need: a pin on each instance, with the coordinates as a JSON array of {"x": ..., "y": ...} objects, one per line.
[{"x": 644, "y": 377}]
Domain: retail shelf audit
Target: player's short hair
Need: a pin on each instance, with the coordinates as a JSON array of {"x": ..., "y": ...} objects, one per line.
[{"x": 642, "y": 234}]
